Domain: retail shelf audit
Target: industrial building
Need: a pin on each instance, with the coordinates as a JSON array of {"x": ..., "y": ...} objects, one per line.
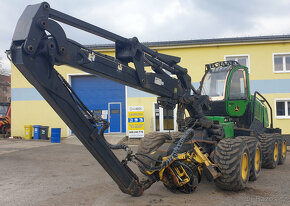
[{"x": 267, "y": 57}]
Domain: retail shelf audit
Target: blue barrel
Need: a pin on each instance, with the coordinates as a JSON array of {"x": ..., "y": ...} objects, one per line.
[
  {"x": 55, "y": 135},
  {"x": 36, "y": 131}
]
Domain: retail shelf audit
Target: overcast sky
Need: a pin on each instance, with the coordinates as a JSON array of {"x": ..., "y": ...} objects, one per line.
[{"x": 160, "y": 20}]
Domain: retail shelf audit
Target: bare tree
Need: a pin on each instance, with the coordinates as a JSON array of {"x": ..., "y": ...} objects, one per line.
[{"x": 3, "y": 70}]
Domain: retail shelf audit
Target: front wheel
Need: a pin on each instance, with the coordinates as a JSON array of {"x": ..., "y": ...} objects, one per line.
[{"x": 233, "y": 158}]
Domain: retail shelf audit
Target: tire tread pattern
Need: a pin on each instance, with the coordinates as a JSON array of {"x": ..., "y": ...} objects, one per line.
[
  {"x": 228, "y": 154},
  {"x": 253, "y": 143},
  {"x": 268, "y": 144}
]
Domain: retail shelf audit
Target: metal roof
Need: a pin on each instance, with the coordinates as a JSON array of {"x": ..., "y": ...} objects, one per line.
[{"x": 203, "y": 41}]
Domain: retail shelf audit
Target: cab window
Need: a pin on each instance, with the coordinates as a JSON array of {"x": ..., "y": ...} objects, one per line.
[
  {"x": 214, "y": 84},
  {"x": 237, "y": 85}
]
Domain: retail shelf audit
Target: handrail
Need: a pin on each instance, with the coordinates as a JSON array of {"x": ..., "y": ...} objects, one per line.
[{"x": 254, "y": 104}]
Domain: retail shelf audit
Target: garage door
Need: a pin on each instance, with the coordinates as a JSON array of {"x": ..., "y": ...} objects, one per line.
[{"x": 103, "y": 97}]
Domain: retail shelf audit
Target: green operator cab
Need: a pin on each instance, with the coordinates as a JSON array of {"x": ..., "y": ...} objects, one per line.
[{"x": 231, "y": 103}]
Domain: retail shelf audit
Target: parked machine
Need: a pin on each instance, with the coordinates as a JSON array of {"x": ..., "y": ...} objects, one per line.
[
  {"x": 5, "y": 119},
  {"x": 224, "y": 131}
]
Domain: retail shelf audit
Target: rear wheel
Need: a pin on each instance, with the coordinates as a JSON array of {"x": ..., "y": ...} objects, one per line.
[
  {"x": 282, "y": 149},
  {"x": 270, "y": 150},
  {"x": 175, "y": 135},
  {"x": 255, "y": 156},
  {"x": 5, "y": 129},
  {"x": 151, "y": 142},
  {"x": 233, "y": 159}
]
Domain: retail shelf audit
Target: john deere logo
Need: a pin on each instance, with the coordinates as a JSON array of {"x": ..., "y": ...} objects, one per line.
[{"x": 237, "y": 108}]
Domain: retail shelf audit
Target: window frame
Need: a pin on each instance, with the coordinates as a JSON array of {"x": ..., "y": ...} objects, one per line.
[
  {"x": 283, "y": 61},
  {"x": 240, "y": 55},
  {"x": 286, "y": 100},
  {"x": 161, "y": 128}
]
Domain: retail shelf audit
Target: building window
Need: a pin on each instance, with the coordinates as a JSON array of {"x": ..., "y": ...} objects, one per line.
[
  {"x": 281, "y": 63},
  {"x": 282, "y": 108},
  {"x": 241, "y": 59},
  {"x": 164, "y": 119},
  {"x": 156, "y": 115},
  {"x": 168, "y": 119}
]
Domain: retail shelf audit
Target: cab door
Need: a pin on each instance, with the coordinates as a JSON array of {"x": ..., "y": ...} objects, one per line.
[{"x": 237, "y": 92}]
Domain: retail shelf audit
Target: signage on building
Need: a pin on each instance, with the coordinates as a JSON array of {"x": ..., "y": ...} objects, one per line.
[
  {"x": 104, "y": 114},
  {"x": 136, "y": 121}
]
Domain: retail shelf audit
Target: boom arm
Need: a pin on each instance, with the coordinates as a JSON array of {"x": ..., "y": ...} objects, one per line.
[
  {"x": 38, "y": 19},
  {"x": 35, "y": 52}
]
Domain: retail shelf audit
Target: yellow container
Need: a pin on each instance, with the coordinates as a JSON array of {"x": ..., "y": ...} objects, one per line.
[{"x": 28, "y": 131}]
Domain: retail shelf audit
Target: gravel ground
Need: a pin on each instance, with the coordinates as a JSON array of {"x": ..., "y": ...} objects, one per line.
[{"x": 41, "y": 173}]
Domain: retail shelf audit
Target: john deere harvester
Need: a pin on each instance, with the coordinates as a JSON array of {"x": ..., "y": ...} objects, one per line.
[
  {"x": 242, "y": 138},
  {"x": 224, "y": 130}
]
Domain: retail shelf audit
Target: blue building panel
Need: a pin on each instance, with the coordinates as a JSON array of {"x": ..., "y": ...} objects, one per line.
[{"x": 97, "y": 93}]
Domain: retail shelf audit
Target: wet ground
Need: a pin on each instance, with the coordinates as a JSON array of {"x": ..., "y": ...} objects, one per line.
[{"x": 41, "y": 173}]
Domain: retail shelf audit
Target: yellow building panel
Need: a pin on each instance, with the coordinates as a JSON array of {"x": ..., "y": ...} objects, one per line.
[
  {"x": 17, "y": 79},
  {"x": 34, "y": 113},
  {"x": 283, "y": 124},
  {"x": 261, "y": 58},
  {"x": 193, "y": 57}
]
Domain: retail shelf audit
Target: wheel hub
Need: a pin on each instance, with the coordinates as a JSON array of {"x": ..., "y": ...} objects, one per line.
[
  {"x": 257, "y": 160},
  {"x": 284, "y": 149},
  {"x": 245, "y": 166},
  {"x": 276, "y": 152}
]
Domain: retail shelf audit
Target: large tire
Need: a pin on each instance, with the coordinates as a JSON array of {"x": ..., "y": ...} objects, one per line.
[
  {"x": 5, "y": 129},
  {"x": 175, "y": 135},
  {"x": 282, "y": 149},
  {"x": 151, "y": 142},
  {"x": 270, "y": 151},
  {"x": 232, "y": 157},
  {"x": 255, "y": 150}
]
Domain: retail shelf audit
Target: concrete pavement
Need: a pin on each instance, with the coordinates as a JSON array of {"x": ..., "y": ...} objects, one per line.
[
  {"x": 111, "y": 138},
  {"x": 43, "y": 174}
]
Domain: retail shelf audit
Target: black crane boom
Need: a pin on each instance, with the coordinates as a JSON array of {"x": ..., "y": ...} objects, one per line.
[{"x": 39, "y": 43}]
